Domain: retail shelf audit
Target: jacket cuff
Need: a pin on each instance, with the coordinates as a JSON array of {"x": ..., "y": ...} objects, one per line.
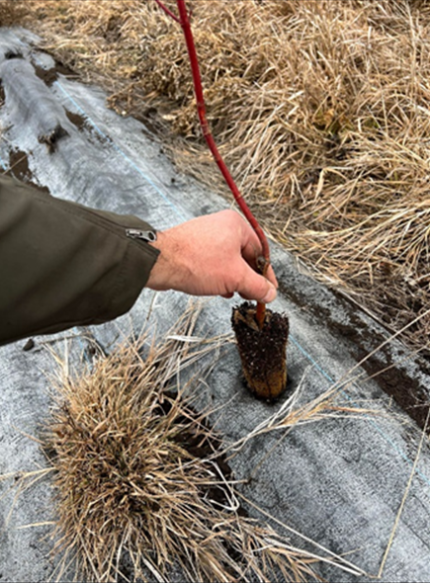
[{"x": 139, "y": 259}]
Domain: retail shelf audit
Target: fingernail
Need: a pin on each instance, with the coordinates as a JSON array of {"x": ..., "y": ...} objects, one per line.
[{"x": 271, "y": 294}]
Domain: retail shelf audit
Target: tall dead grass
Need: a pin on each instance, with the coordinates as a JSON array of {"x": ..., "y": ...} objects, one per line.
[{"x": 321, "y": 109}]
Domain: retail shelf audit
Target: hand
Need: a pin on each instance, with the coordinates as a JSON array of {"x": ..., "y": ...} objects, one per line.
[{"x": 212, "y": 255}]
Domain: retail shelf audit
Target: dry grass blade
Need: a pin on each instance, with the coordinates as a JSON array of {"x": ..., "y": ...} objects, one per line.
[{"x": 405, "y": 496}]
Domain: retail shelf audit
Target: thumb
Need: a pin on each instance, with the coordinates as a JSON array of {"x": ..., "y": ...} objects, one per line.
[{"x": 256, "y": 287}]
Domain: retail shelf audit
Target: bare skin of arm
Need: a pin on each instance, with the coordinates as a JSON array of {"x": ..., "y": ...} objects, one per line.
[{"x": 212, "y": 255}]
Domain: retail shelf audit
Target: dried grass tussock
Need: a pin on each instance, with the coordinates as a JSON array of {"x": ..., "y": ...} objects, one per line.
[
  {"x": 141, "y": 480},
  {"x": 320, "y": 107}
]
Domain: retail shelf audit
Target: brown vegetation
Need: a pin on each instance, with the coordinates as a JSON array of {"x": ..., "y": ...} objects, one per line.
[
  {"x": 141, "y": 481},
  {"x": 11, "y": 12},
  {"x": 321, "y": 109}
]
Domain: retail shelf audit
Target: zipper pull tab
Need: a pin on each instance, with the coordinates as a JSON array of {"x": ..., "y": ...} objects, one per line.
[{"x": 147, "y": 236}]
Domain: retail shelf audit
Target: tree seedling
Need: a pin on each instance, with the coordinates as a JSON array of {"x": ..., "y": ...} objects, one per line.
[{"x": 261, "y": 334}]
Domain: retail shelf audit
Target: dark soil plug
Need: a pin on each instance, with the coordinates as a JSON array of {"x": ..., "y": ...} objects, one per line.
[
  {"x": 262, "y": 352},
  {"x": 29, "y": 345},
  {"x": 9, "y": 55},
  {"x": 53, "y": 137}
]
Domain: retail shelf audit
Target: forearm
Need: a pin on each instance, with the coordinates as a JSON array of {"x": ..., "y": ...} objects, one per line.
[{"x": 63, "y": 265}]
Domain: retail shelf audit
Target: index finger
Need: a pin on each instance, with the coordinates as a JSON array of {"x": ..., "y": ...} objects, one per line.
[
  {"x": 252, "y": 249},
  {"x": 250, "y": 244}
]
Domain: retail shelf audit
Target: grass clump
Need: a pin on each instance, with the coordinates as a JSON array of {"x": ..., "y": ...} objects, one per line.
[{"x": 140, "y": 483}]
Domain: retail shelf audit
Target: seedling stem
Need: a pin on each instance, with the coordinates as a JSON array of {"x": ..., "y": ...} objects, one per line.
[{"x": 264, "y": 260}]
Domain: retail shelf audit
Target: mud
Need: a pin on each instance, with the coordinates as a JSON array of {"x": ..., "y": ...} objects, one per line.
[
  {"x": 19, "y": 167},
  {"x": 51, "y": 139},
  {"x": 405, "y": 390},
  {"x": 49, "y": 76},
  {"x": 77, "y": 120}
]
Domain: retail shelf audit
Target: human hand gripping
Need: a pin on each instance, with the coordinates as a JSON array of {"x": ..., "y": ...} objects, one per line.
[{"x": 212, "y": 255}]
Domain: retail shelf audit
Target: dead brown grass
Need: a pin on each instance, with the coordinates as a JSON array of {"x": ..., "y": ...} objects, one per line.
[
  {"x": 11, "y": 12},
  {"x": 321, "y": 109},
  {"x": 132, "y": 495},
  {"x": 141, "y": 482}
]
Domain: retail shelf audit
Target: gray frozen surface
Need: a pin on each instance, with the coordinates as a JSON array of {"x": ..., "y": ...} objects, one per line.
[{"x": 339, "y": 482}]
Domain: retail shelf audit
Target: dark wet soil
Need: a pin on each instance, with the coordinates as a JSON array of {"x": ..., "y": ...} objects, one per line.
[
  {"x": 407, "y": 391},
  {"x": 77, "y": 120},
  {"x": 49, "y": 76},
  {"x": 51, "y": 139},
  {"x": 18, "y": 166}
]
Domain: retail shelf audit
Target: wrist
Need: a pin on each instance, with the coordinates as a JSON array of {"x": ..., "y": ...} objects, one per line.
[
  {"x": 168, "y": 271},
  {"x": 157, "y": 273}
]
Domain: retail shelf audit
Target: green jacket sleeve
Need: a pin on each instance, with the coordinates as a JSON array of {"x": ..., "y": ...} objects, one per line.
[{"x": 62, "y": 264}]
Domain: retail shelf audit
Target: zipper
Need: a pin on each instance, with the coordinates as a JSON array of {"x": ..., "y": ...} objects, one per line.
[{"x": 147, "y": 236}]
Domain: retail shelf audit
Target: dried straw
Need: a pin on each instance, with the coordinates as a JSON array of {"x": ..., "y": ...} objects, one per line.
[
  {"x": 321, "y": 110},
  {"x": 140, "y": 478},
  {"x": 128, "y": 488}
]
